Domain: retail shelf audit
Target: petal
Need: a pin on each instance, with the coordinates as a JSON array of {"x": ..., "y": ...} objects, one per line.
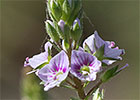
[
  {"x": 90, "y": 42},
  {"x": 113, "y": 53},
  {"x": 37, "y": 60},
  {"x": 59, "y": 61},
  {"x": 109, "y": 62},
  {"x": 51, "y": 85},
  {"x": 98, "y": 41}
]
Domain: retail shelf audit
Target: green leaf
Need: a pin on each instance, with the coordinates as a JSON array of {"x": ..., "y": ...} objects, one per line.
[
  {"x": 100, "y": 53},
  {"x": 42, "y": 65},
  {"x": 56, "y": 10},
  {"x": 87, "y": 49},
  {"x": 51, "y": 31},
  {"x": 59, "y": 31},
  {"x": 109, "y": 73}
]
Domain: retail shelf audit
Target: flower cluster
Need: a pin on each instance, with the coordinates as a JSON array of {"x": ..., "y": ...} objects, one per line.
[{"x": 74, "y": 64}]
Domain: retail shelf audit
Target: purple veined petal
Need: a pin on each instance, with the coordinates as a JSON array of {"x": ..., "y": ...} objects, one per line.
[
  {"x": 113, "y": 52},
  {"x": 98, "y": 41},
  {"x": 90, "y": 42},
  {"x": 61, "y": 24},
  {"x": 54, "y": 72},
  {"x": 79, "y": 60},
  {"x": 48, "y": 45},
  {"x": 60, "y": 60},
  {"x": 108, "y": 62},
  {"x": 51, "y": 85},
  {"x": 37, "y": 60}
]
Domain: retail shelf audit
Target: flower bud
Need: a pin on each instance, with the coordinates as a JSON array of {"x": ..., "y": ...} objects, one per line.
[
  {"x": 60, "y": 28},
  {"x": 97, "y": 95},
  {"x": 51, "y": 30},
  {"x": 77, "y": 30},
  {"x": 61, "y": 24},
  {"x": 55, "y": 10},
  {"x": 76, "y": 6}
]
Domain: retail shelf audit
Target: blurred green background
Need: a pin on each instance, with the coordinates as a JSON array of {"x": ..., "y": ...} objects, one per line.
[{"x": 22, "y": 33}]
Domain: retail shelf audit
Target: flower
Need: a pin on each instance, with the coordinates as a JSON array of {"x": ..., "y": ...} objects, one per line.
[
  {"x": 94, "y": 42},
  {"x": 84, "y": 66},
  {"x": 61, "y": 24},
  {"x": 38, "y": 59},
  {"x": 55, "y": 72}
]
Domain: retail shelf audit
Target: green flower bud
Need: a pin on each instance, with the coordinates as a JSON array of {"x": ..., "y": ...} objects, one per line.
[
  {"x": 55, "y": 10},
  {"x": 51, "y": 31},
  {"x": 97, "y": 95},
  {"x": 76, "y": 7}
]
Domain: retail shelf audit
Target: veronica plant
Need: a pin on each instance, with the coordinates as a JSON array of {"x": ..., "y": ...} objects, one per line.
[{"x": 74, "y": 66}]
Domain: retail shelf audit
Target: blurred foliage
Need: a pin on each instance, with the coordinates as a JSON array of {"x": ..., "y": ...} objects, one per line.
[{"x": 31, "y": 90}]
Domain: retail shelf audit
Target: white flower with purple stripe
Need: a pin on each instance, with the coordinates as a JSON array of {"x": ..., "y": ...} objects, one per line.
[
  {"x": 84, "y": 66},
  {"x": 94, "y": 42},
  {"x": 38, "y": 59},
  {"x": 55, "y": 72}
]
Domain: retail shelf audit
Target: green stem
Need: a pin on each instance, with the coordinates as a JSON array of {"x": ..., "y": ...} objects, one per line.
[
  {"x": 93, "y": 89},
  {"x": 80, "y": 89}
]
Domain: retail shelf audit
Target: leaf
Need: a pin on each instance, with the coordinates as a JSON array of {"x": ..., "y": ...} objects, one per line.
[
  {"x": 100, "y": 53},
  {"x": 42, "y": 65},
  {"x": 109, "y": 73}
]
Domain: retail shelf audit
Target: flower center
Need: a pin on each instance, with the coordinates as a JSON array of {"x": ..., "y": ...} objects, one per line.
[
  {"x": 85, "y": 70},
  {"x": 56, "y": 76}
]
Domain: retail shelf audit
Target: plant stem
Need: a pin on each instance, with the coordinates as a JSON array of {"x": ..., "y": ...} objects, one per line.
[
  {"x": 71, "y": 84},
  {"x": 93, "y": 89},
  {"x": 80, "y": 89}
]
